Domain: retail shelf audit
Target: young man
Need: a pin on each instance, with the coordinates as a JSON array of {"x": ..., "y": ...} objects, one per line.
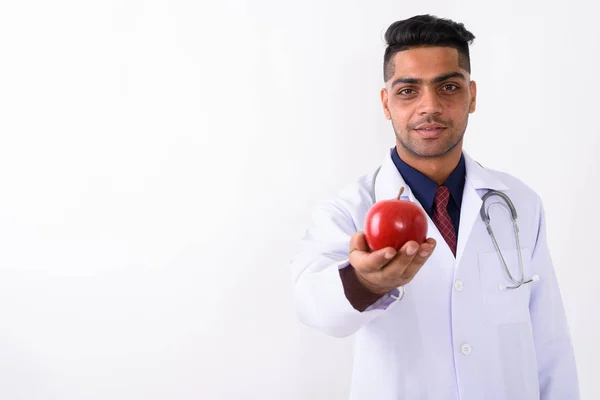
[{"x": 435, "y": 320}]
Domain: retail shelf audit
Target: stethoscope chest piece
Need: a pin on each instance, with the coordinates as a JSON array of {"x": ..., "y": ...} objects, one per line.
[{"x": 486, "y": 219}]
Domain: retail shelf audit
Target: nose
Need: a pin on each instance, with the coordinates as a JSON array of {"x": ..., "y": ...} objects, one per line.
[{"x": 429, "y": 102}]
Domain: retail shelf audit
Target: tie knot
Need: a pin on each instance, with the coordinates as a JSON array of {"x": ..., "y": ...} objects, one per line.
[{"x": 442, "y": 195}]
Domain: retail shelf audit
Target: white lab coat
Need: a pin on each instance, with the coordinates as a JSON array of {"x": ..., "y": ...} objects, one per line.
[{"x": 454, "y": 334}]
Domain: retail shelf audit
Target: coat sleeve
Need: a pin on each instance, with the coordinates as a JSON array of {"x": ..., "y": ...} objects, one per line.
[
  {"x": 319, "y": 295},
  {"x": 557, "y": 370}
]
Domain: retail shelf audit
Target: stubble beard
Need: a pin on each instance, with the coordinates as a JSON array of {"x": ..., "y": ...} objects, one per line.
[{"x": 433, "y": 151}]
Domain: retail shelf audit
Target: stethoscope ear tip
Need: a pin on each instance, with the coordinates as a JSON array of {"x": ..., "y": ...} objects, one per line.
[{"x": 535, "y": 278}]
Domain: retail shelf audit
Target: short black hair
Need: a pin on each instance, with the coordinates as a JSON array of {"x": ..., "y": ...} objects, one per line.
[{"x": 426, "y": 30}]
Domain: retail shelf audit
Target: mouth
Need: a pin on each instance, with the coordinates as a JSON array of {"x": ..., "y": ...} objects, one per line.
[{"x": 430, "y": 133}]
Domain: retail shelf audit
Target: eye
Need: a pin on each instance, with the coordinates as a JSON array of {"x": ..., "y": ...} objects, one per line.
[
  {"x": 450, "y": 87},
  {"x": 406, "y": 92}
]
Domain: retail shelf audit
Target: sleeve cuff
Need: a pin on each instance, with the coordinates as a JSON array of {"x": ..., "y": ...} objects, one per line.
[{"x": 361, "y": 298}]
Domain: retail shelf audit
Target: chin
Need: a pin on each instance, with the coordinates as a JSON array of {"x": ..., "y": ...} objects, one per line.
[
  {"x": 433, "y": 150},
  {"x": 430, "y": 148},
  {"x": 431, "y": 154}
]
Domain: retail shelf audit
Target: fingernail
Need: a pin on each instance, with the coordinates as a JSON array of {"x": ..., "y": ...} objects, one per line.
[
  {"x": 411, "y": 250},
  {"x": 426, "y": 250},
  {"x": 389, "y": 255}
]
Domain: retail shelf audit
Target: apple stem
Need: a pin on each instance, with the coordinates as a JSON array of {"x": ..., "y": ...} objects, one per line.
[{"x": 400, "y": 194}]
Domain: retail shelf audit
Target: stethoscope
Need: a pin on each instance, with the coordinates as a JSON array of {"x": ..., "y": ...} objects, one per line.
[{"x": 486, "y": 218}]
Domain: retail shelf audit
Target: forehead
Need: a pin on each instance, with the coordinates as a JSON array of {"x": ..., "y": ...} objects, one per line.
[{"x": 426, "y": 62}]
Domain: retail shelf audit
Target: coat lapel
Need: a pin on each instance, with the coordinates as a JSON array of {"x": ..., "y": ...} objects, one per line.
[{"x": 478, "y": 181}]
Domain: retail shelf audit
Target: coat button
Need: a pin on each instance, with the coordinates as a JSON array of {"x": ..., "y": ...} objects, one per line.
[
  {"x": 466, "y": 349},
  {"x": 458, "y": 286}
]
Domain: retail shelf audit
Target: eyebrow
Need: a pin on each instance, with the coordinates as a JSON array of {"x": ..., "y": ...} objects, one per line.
[{"x": 441, "y": 78}]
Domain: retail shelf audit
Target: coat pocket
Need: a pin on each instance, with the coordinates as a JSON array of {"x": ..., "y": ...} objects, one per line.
[{"x": 504, "y": 305}]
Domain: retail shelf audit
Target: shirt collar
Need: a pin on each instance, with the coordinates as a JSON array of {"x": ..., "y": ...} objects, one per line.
[{"x": 424, "y": 188}]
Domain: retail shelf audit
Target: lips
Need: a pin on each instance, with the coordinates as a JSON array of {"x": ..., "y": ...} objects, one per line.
[{"x": 430, "y": 132}]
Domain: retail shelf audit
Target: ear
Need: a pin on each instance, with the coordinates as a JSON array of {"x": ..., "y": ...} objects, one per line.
[
  {"x": 384, "y": 103},
  {"x": 473, "y": 90}
]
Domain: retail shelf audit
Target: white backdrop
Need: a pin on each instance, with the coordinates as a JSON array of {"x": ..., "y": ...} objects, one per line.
[{"x": 159, "y": 161}]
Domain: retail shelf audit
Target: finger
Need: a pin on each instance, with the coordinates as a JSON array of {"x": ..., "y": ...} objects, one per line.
[
  {"x": 397, "y": 267},
  {"x": 363, "y": 259},
  {"x": 358, "y": 241},
  {"x": 425, "y": 251},
  {"x": 371, "y": 262},
  {"x": 426, "y": 248}
]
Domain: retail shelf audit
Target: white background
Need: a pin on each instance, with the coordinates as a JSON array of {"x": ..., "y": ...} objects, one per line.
[{"x": 159, "y": 161}]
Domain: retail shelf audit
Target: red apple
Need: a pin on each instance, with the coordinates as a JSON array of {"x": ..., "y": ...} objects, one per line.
[{"x": 392, "y": 223}]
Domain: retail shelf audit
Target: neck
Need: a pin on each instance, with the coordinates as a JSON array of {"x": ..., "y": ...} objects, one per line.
[{"x": 437, "y": 169}]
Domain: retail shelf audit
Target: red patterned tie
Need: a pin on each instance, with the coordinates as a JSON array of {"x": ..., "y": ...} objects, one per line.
[{"x": 442, "y": 219}]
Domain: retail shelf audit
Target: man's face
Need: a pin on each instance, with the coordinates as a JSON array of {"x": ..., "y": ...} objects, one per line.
[{"x": 429, "y": 99}]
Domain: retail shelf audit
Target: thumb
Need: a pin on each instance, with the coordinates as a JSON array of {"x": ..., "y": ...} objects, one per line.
[{"x": 358, "y": 241}]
